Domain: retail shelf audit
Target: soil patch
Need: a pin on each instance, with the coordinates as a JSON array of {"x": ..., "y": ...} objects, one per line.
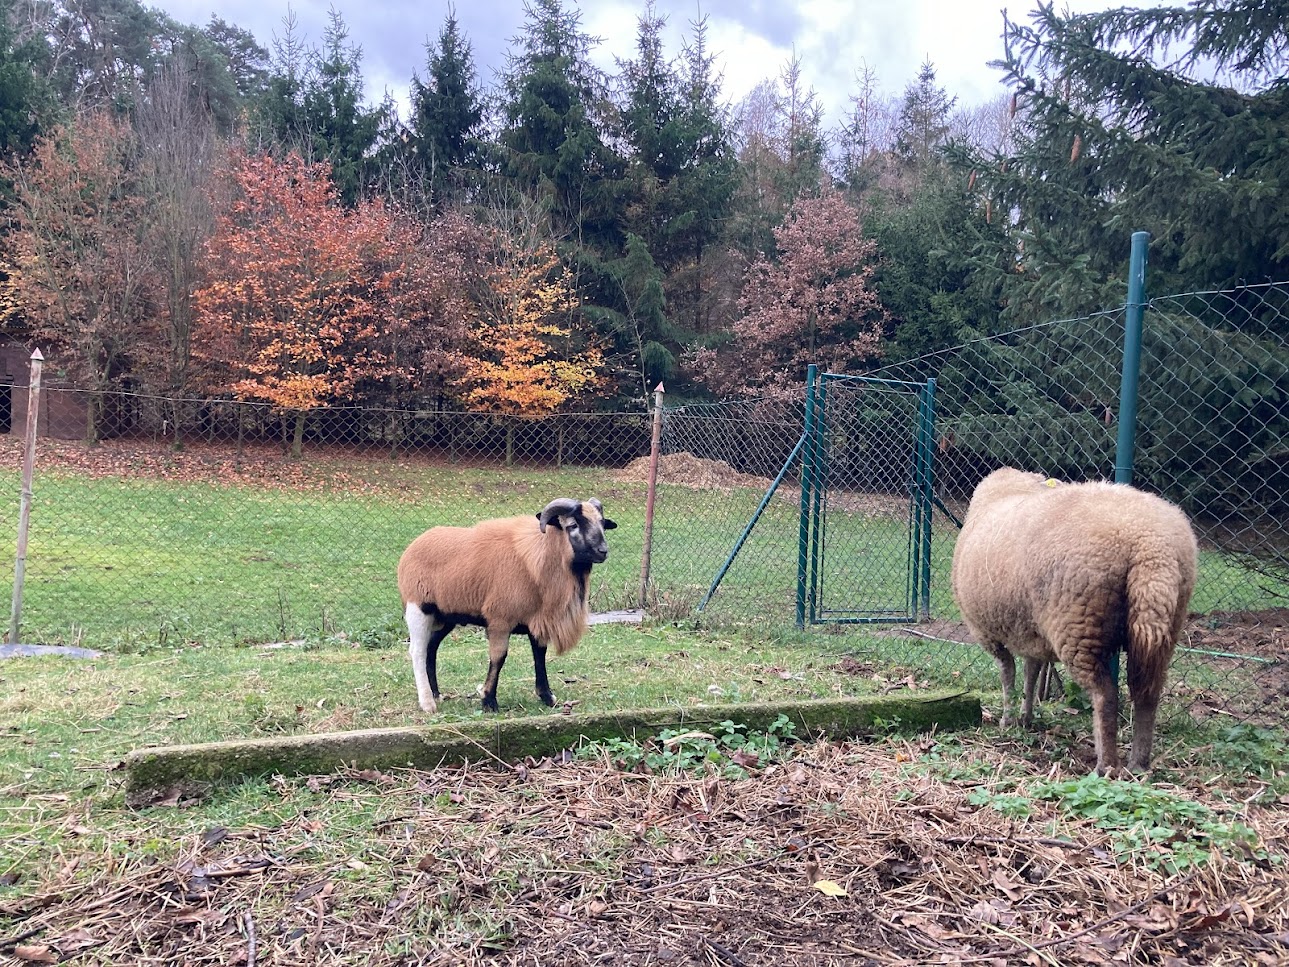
[{"x": 688, "y": 470}]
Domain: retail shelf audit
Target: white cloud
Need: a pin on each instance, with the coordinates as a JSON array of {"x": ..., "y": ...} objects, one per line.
[{"x": 753, "y": 38}]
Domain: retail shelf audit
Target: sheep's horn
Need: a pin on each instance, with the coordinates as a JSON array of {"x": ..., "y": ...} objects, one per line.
[{"x": 558, "y": 507}]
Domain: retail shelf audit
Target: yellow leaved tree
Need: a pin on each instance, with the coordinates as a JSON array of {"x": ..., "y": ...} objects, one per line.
[{"x": 525, "y": 358}]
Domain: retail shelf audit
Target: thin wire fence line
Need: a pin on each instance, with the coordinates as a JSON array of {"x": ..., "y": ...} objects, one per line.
[
  {"x": 993, "y": 338},
  {"x": 1214, "y": 415}
]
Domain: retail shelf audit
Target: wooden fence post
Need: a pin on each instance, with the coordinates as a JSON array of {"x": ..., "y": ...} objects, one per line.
[
  {"x": 655, "y": 444},
  {"x": 24, "y": 513}
]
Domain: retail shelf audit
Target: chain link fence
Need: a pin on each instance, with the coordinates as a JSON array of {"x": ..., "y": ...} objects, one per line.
[
  {"x": 192, "y": 520},
  {"x": 1212, "y": 435},
  {"x": 229, "y": 538},
  {"x": 717, "y": 463}
]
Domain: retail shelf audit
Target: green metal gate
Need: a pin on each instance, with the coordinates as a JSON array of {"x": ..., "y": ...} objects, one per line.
[
  {"x": 864, "y": 551},
  {"x": 865, "y": 462}
]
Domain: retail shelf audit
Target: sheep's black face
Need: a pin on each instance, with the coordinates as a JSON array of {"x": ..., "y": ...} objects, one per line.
[
  {"x": 586, "y": 537},
  {"x": 584, "y": 524}
]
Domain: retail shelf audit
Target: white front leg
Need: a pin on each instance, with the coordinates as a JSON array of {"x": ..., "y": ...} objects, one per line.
[{"x": 419, "y": 628}]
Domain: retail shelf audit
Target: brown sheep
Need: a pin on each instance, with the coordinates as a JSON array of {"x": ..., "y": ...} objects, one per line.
[
  {"x": 1077, "y": 572},
  {"x": 512, "y": 575}
]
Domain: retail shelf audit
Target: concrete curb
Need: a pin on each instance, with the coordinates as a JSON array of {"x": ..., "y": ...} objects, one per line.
[{"x": 509, "y": 740}]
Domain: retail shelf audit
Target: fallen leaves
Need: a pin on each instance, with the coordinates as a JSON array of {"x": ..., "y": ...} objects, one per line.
[
  {"x": 1009, "y": 883},
  {"x": 996, "y": 911},
  {"x": 259, "y": 466},
  {"x": 835, "y": 849},
  {"x": 829, "y": 888},
  {"x": 35, "y": 954}
]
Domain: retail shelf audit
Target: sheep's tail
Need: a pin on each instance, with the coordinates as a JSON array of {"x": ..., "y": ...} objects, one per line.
[{"x": 1160, "y": 581}]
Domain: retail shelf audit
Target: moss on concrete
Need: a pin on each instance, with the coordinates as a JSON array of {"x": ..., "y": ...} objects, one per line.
[{"x": 509, "y": 740}]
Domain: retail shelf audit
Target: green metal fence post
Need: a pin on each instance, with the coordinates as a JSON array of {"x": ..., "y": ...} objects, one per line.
[
  {"x": 1134, "y": 310},
  {"x": 807, "y": 481},
  {"x": 820, "y": 474},
  {"x": 926, "y": 434},
  {"x": 915, "y": 511}
]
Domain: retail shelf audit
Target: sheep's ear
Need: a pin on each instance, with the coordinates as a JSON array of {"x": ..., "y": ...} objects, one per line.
[
  {"x": 599, "y": 509},
  {"x": 543, "y": 520}
]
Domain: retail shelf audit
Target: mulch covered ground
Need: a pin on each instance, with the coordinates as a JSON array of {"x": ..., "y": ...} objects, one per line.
[{"x": 847, "y": 853}]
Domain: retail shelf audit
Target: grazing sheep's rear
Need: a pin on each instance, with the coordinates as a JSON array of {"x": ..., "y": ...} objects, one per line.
[
  {"x": 514, "y": 575},
  {"x": 1076, "y": 572}
]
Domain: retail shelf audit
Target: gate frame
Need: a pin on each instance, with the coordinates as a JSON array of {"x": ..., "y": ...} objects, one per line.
[
  {"x": 809, "y": 448},
  {"x": 813, "y": 522}
]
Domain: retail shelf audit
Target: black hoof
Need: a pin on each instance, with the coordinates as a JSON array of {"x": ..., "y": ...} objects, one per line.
[
  {"x": 547, "y": 699},
  {"x": 490, "y": 705}
]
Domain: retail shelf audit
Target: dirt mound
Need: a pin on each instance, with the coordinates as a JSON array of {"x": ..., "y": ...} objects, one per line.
[
  {"x": 701, "y": 473},
  {"x": 690, "y": 471}
]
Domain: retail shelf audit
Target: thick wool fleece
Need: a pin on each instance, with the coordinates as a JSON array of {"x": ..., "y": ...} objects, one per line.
[
  {"x": 1074, "y": 572},
  {"x": 505, "y": 571}
]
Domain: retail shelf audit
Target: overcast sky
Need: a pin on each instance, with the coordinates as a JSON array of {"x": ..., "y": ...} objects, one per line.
[{"x": 752, "y": 38}]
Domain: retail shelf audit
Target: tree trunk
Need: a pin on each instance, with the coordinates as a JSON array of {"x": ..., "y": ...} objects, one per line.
[
  {"x": 176, "y": 409},
  {"x": 396, "y": 433},
  {"x": 297, "y": 440},
  {"x": 510, "y": 442},
  {"x": 699, "y": 320},
  {"x": 93, "y": 415}
]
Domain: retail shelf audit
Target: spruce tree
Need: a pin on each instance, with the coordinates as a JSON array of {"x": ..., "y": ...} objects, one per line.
[
  {"x": 277, "y": 117},
  {"x": 447, "y": 114},
  {"x": 553, "y": 148},
  {"x": 678, "y": 186},
  {"x": 648, "y": 119},
  {"x": 25, "y": 101},
  {"x": 704, "y": 183},
  {"x": 1169, "y": 120},
  {"x": 554, "y": 116},
  {"x": 340, "y": 128},
  {"x": 924, "y": 119}
]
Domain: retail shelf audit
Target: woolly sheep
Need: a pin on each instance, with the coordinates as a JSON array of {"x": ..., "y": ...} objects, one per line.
[
  {"x": 1076, "y": 572},
  {"x": 511, "y": 575}
]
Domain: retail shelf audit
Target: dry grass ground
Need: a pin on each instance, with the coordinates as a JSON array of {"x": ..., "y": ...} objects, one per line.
[{"x": 899, "y": 851}]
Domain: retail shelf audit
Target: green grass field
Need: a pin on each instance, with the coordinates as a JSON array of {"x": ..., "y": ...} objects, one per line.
[
  {"x": 126, "y": 562},
  {"x": 182, "y": 582},
  {"x": 66, "y": 720},
  {"x": 266, "y": 607}
]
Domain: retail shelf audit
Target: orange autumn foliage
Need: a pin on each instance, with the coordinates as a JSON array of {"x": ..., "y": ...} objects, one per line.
[
  {"x": 522, "y": 359},
  {"x": 305, "y": 298}
]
